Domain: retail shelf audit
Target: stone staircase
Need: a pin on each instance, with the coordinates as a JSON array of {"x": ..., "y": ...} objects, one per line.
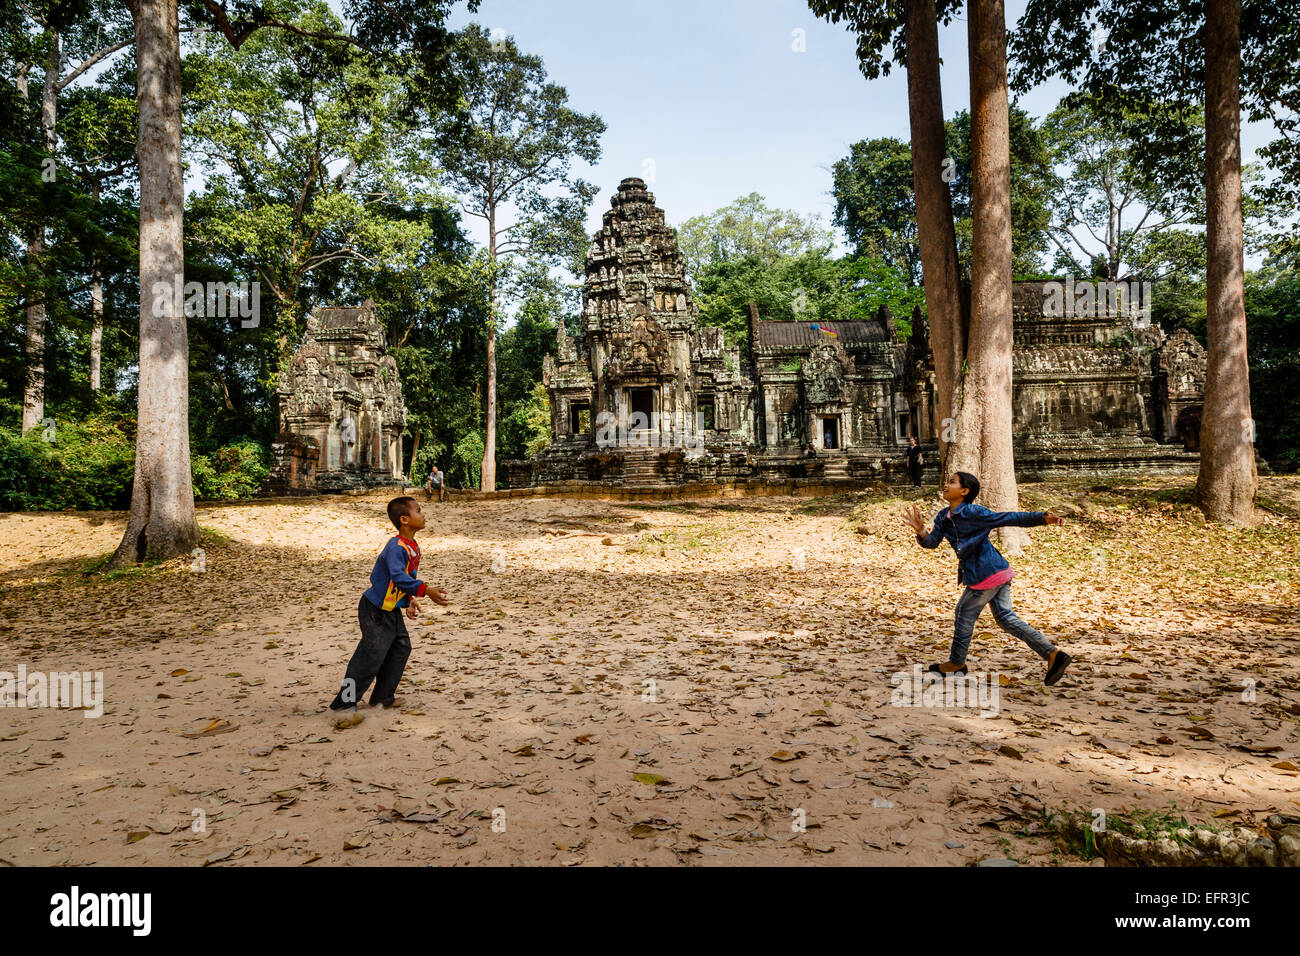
[
  {"x": 837, "y": 467},
  {"x": 640, "y": 468}
]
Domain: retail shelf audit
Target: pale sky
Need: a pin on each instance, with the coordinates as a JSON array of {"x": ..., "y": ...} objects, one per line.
[{"x": 707, "y": 100}]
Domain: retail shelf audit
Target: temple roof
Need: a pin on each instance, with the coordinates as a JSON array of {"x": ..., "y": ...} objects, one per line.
[
  {"x": 356, "y": 317},
  {"x": 802, "y": 335}
]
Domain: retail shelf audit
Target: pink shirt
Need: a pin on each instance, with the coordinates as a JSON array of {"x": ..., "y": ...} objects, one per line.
[{"x": 995, "y": 580}]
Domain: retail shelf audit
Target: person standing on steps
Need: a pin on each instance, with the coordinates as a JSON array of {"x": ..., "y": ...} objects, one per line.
[{"x": 914, "y": 461}]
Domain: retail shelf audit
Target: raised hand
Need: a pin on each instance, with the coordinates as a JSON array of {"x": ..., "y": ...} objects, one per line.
[
  {"x": 914, "y": 519},
  {"x": 1053, "y": 518}
]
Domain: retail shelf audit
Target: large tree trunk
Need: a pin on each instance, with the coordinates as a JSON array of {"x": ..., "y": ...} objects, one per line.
[
  {"x": 97, "y": 329},
  {"x": 1226, "y": 483},
  {"x": 987, "y": 399},
  {"x": 488, "y": 478},
  {"x": 34, "y": 387},
  {"x": 161, "y": 523},
  {"x": 97, "y": 313},
  {"x": 415, "y": 450},
  {"x": 936, "y": 235}
]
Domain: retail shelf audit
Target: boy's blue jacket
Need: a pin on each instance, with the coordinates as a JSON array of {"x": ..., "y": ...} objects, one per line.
[
  {"x": 967, "y": 530},
  {"x": 392, "y": 581}
]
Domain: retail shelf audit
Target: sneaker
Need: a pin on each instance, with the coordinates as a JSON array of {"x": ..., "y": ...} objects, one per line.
[
  {"x": 1056, "y": 665},
  {"x": 395, "y": 704}
]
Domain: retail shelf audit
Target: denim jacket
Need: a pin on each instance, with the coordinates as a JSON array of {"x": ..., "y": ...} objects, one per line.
[{"x": 967, "y": 530}]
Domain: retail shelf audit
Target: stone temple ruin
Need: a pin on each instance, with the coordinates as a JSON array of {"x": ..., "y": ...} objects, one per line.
[
  {"x": 644, "y": 396},
  {"x": 341, "y": 408}
]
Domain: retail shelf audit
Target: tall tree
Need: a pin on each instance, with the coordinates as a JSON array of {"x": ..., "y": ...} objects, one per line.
[
  {"x": 98, "y": 139},
  {"x": 983, "y": 440},
  {"x": 308, "y": 161},
  {"x": 161, "y": 522},
  {"x": 76, "y": 34},
  {"x": 911, "y": 28},
  {"x": 1226, "y": 482},
  {"x": 34, "y": 389},
  {"x": 1106, "y": 208},
  {"x": 510, "y": 164},
  {"x": 1157, "y": 63},
  {"x": 408, "y": 35}
]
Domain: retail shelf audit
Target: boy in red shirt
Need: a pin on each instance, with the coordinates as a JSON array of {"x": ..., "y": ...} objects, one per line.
[{"x": 384, "y": 647}]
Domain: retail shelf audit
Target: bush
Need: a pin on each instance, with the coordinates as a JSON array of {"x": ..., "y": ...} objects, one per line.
[
  {"x": 237, "y": 470},
  {"x": 87, "y": 465},
  {"x": 90, "y": 464}
]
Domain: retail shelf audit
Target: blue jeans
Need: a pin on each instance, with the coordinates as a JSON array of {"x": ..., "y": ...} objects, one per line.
[{"x": 968, "y": 611}]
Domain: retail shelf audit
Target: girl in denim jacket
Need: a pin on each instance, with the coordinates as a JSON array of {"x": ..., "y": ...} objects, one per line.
[{"x": 982, "y": 568}]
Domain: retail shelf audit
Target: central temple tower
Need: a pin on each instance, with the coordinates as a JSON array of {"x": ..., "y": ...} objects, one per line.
[{"x": 648, "y": 374}]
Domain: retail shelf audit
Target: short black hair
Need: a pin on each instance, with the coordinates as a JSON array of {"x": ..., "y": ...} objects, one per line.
[
  {"x": 398, "y": 507},
  {"x": 970, "y": 483}
]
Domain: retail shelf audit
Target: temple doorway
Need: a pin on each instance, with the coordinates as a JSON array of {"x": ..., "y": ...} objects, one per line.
[
  {"x": 830, "y": 433},
  {"x": 642, "y": 406}
]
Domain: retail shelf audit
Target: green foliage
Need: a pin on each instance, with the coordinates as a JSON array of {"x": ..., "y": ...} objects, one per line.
[
  {"x": 467, "y": 454},
  {"x": 1150, "y": 72},
  {"x": 526, "y": 425},
  {"x": 880, "y": 26},
  {"x": 89, "y": 464},
  {"x": 238, "y": 470},
  {"x": 297, "y": 143},
  {"x": 749, "y": 229},
  {"x": 1108, "y": 208},
  {"x": 876, "y": 208},
  {"x": 514, "y": 147},
  {"x": 1033, "y": 182},
  {"x": 1273, "y": 340},
  {"x": 875, "y": 205},
  {"x": 808, "y": 288}
]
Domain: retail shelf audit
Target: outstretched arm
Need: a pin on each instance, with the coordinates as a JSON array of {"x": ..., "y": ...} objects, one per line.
[
  {"x": 1018, "y": 519},
  {"x": 917, "y": 524}
]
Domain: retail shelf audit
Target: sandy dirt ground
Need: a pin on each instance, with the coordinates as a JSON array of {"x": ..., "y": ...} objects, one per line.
[{"x": 649, "y": 683}]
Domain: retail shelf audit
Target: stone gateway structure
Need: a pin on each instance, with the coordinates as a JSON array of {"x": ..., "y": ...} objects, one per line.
[
  {"x": 642, "y": 395},
  {"x": 341, "y": 408}
]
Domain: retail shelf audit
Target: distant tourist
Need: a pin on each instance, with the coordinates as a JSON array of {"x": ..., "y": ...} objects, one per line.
[
  {"x": 983, "y": 570},
  {"x": 435, "y": 483},
  {"x": 811, "y": 450},
  {"x": 384, "y": 647},
  {"x": 914, "y": 461}
]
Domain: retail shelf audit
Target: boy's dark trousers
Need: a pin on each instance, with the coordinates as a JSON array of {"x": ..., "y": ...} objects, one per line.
[{"x": 380, "y": 657}]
